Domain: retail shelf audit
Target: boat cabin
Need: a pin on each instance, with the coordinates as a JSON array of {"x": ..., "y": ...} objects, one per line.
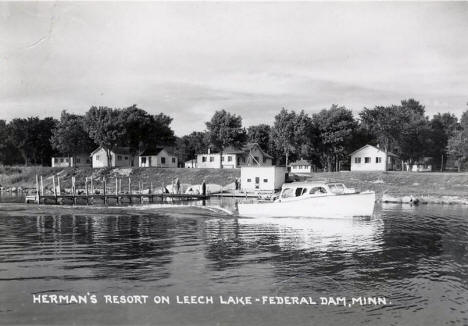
[{"x": 300, "y": 190}]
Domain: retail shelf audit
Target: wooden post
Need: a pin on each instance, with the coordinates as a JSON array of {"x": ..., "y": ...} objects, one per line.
[
  {"x": 55, "y": 190},
  {"x": 38, "y": 198},
  {"x": 92, "y": 186},
  {"x": 129, "y": 186},
  {"x": 105, "y": 198},
  {"x": 42, "y": 186},
  {"x": 87, "y": 192},
  {"x": 59, "y": 190},
  {"x": 74, "y": 190},
  {"x": 116, "y": 186},
  {"x": 120, "y": 186}
]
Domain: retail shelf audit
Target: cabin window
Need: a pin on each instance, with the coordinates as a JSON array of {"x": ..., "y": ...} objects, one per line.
[
  {"x": 61, "y": 160},
  {"x": 88, "y": 160},
  {"x": 163, "y": 160},
  {"x": 203, "y": 158},
  {"x": 173, "y": 160},
  {"x": 143, "y": 160},
  {"x": 119, "y": 157},
  {"x": 229, "y": 158},
  {"x": 257, "y": 160},
  {"x": 288, "y": 192},
  {"x": 66, "y": 160},
  {"x": 357, "y": 160},
  {"x": 97, "y": 157},
  {"x": 56, "y": 160},
  {"x": 265, "y": 180},
  {"x": 367, "y": 159},
  {"x": 211, "y": 158},
  {"x": 317, "y": 190},
  {"x": 126, "y": 157},
  {"x": 378, "y": 159},
  {"x": 249, "y": 180}
]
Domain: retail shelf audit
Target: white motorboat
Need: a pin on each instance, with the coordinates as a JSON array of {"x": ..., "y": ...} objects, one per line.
[{"x": 313, "y": 199}]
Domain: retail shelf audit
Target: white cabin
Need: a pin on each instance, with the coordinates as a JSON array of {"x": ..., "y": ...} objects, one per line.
[
  {"x": 160, "y": 157},
  {"x": 80, "y": 160},
  {"x": 249, "y": 155},
  {"x": 191, "y": 164},
  {"x": 262, "y": 178},
  {"x": 371, "y": 158},
  {"x": 120, "y": 157},
  {"x": 301, "y": 167}
]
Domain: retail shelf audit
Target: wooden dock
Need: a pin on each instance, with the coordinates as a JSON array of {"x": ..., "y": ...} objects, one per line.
[
  {"x": 105, "y": 195},
  {"x": 118, "y": 199}
]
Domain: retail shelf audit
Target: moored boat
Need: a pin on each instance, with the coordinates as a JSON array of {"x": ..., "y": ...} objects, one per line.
[{"x": 313, "y": 199}]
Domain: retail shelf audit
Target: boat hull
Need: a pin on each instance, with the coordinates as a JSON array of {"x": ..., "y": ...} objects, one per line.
[{"x": 339, "y": 206}]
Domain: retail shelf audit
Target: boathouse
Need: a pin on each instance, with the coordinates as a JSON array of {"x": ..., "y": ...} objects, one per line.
[
  {"x": 162, "y": 157},
  {"x": 80, "y": 160},
  {"x": 372, "y": 158},
  {"x": 262, "y": 178},
  {"x": 249, "y": 155},
  {"x": 119, "y": 157}
]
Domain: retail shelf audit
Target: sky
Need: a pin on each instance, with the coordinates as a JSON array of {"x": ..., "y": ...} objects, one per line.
[{"x": 189, "y": 59}]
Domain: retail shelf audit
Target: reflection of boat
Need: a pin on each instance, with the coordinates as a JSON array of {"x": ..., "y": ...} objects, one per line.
[{"x": 314, "y": 199}]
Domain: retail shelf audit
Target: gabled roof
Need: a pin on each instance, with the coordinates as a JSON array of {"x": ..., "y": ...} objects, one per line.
[
  {"x": 156, "y": 151},
  {"x": 117, "y": 150},
  {"x": 379, "y": 149},
  {"x": 300, "y": 162}
]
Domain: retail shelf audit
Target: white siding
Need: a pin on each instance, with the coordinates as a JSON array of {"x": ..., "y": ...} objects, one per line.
[
  {"x": 301, "y": 168},
  {"x": 375, "y": 159},
  {"x": 117, "y": 160},
  {"x": 170, "y": 161},
  {"x": 255, "y": 178}
]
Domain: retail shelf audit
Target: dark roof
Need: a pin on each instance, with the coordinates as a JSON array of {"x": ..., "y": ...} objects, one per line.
[
  {"x": 156, "y": 151},
  {"x": 300, "y": 162}
]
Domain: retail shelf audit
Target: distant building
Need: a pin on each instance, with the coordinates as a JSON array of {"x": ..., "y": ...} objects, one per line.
[
  {"x": 301, "y": 166},
  {"x": 161, "y": 157},
  {"x": 423, "y": 165},
  {"x": 191, "y": 164},
  {"x": 120, "y": 157},
  {"x": 371, "y": 158},
  {"x": 80, "y": 160},
  {"x": 262, "y": 178},
  {"x": 249, "y": 155}
]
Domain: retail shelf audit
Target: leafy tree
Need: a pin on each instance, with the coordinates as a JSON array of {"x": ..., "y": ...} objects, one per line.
[
  {"x": 190, "y": 145},
  {"x": 457, "y": 146},
  {"x": 225, "y": 129},
  {"x": 260, "y": 134},
  {"x": 336, "y": 127},
  {"x": 283, "y": 133},
  {"x": 30, "y": 136},
  {"x": 70, "y": 137},
  {"x": 104, "y": 128},
  {"x": 442, "y": 128}
]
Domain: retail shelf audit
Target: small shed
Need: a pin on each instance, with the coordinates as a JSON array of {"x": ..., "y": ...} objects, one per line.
[
  {"x": 301, "y": 166},
  {"x": 191, "y": 164},
  {"x": 262, "y": 178}
]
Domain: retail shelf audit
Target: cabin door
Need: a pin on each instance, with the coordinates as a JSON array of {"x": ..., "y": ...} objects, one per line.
[
  {"x": 257, "y": 182},
  {"x": 149, "y": 161}
]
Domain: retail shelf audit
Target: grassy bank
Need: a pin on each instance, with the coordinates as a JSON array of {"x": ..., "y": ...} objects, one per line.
[
  {"x": 25, "y": 177},
  {"x": 389, "y": 183},
  {"x": 402, "y": 183}
]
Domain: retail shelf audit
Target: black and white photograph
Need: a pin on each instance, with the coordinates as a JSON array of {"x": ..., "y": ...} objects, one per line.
[{"x": 233, "y": 163}]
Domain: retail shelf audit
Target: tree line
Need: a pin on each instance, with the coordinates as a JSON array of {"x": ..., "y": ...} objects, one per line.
[{"x": 325, "y": 138}]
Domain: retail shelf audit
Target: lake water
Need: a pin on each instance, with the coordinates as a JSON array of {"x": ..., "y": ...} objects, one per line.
[{"x": 413, "y": 257}]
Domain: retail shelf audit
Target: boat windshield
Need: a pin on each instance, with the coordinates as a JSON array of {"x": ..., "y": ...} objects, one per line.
[
  {"x": 337, "y": 188},
  {"x": 287, "y": 193},
  {"x": 317, "y": 190}
]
